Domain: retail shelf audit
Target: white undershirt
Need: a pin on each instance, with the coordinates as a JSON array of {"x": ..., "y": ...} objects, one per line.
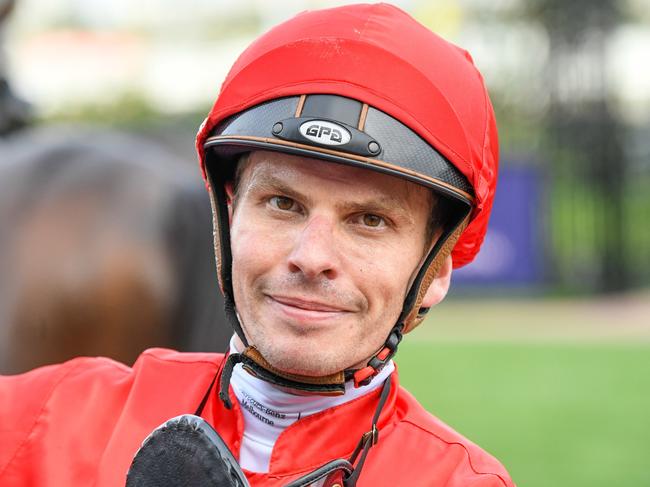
[{"x": 268, "y": 410}]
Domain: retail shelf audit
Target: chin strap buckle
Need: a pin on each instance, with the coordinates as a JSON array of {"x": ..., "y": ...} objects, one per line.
[
  {"x": 372, "y": 435},
  {"x": 362, "y": 377}
]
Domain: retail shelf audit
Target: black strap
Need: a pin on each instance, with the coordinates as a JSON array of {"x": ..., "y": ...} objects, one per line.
[
  {"x": 226, "y": 374},
  {"x": 199, "y": 409},
  {"x": 231, "y": 315},
  {"x": 368, "y": 439}
]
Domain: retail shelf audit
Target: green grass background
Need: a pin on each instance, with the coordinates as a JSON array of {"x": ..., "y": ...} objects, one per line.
[{"x": 556, "y": 412}]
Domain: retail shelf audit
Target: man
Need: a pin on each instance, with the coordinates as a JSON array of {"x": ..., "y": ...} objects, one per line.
[{"x": 351, "y": 160}]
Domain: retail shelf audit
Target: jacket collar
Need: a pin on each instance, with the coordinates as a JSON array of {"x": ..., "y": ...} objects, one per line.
[{"x": 312, "y": 441}]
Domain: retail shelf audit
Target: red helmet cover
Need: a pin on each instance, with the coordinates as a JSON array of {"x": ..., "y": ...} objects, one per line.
[{"x": 381, "y": 56}]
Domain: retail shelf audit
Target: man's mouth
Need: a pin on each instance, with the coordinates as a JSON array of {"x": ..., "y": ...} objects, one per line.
[{"x": 306, "y": 308}]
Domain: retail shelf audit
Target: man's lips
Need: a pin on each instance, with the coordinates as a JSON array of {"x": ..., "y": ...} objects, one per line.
[{"x": 309, "y": 304}]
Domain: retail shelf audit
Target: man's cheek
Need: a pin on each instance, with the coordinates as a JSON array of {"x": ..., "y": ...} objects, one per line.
[{"x": 247, "y": 249}]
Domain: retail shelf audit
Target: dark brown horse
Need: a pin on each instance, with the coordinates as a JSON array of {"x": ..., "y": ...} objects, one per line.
[{"x": 105, "y": 249}]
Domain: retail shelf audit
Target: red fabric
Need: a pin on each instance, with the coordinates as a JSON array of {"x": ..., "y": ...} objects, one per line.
[
  {"x": 80, "y": 424},
  {"x": 381, "y": 56}
]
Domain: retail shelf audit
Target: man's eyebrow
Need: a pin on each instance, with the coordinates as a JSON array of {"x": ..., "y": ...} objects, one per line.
[
  {"x": 267, "y": 182},
  {"x": 381, "y": 204}
]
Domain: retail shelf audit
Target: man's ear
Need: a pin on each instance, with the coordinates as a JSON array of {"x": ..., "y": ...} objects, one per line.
[
  {"x": 230, "y": 194},
  {"x": 439, "y": 286}
]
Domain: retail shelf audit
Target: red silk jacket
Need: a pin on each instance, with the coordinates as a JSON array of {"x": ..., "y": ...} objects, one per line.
[{"x": 80, "y": 424}]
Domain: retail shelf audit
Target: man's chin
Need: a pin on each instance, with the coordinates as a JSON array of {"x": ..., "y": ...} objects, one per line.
[
  {"x": 306, "y": 369},
  {"x": 309, "y": 365}
]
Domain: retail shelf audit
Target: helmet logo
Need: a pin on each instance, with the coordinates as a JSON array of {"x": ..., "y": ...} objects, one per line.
[{"x": 324, "y": 132}]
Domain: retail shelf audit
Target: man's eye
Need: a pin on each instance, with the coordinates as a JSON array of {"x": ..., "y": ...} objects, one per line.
[
  {"x": 371, "y": 220},
  {"x": 283, "y": 203}
]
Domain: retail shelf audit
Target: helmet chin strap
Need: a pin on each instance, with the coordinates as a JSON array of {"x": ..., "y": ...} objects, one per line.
[{"x": 254, "y": 363}]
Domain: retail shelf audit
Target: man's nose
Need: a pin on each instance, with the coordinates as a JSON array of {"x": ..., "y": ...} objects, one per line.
[{"x": 314, "y": 252}]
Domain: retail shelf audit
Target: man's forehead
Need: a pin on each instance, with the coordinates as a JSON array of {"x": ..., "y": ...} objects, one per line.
[
  {"x": 277, "y": 166},
  {"x": 271, "y": 161}
]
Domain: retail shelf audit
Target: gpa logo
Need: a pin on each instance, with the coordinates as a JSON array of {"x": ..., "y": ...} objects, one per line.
[{"x": 324, "y": 132}]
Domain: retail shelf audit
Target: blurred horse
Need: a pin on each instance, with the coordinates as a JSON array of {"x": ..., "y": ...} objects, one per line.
[{"x": 105, "y": 249}]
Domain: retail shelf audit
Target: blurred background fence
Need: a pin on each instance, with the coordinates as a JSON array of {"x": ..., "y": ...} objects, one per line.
[{"x": 574, "y": 110}]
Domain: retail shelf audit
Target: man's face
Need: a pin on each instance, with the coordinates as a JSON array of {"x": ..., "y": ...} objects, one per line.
[{"x": 323, "y": 255}]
